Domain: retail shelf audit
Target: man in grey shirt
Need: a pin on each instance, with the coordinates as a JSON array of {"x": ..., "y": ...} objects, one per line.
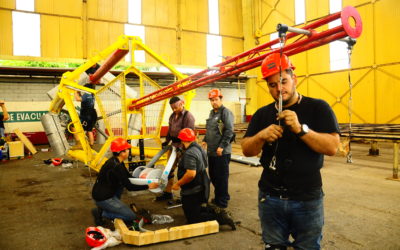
[{"x": 217, "y": 140}]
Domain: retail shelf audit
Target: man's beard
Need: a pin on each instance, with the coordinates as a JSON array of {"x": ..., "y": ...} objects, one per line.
[{"x": 287, "y": 101}]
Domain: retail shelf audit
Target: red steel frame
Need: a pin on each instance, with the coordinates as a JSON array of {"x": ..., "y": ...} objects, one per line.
[
  {"x": 351, "y": 26},
  {"x": 108, "y": 64}
]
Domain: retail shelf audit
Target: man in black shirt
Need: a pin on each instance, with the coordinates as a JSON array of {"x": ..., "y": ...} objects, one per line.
[
  {"x": 293, "y": 144},
  {"x": 110, "y": 182}
]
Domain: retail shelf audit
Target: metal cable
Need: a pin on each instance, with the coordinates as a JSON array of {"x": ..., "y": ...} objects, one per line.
[
  {"x": 350, "y": 109},
  {"x": 272, "y": 164}
]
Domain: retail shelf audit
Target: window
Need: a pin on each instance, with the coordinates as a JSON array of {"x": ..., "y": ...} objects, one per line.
[
  {"x": 214, "y": 50},
  {"x": 335, "y": 6},
  {"x": 299, "y": 11},
  {"x": 274, "y": 36},
  {"x": 26, "y": 34},
  {"x": 213, "y": 17},
  {"x": 337, "y": 50},
  {"x": 28, "y": 5},
  {"x": 339, "y": 57},
  {"x": 214, "y": 42},
  {"x": 136, "y": 30},
  {"x": 135, "y": 11}
]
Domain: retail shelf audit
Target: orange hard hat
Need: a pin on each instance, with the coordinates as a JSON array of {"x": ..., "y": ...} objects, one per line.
[
  {"x": 94, "y": 237},
  {"x": 273, "y": 63},
  {"x": 187, "y": 134},
  {"x": 119, "y": 145},
  {"x": 214, "y": 93}
]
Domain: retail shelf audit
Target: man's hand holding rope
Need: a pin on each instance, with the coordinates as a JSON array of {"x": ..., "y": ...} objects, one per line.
[{"x": 290, "y": 119}]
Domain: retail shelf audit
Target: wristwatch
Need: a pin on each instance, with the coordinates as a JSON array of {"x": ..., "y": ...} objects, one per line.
[{"x": 304, "y": 130}]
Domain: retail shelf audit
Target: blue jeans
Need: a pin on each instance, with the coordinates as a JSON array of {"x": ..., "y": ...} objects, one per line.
[
  {"x": 2, "y": 132},
  {"x": 115, "y": 208},
  {"x": 301, "y": 219}
]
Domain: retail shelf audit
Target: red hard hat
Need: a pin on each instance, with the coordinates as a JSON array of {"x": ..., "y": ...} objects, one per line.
[
  {"x": 94, "y": 237},
  {"x": 187, "y": 134},
  {"x": 271, "y": 64},
  {"x": 214, "y": 93},
  {"x": 56, "y": 161},
  {"x": 119, "y": 145}
]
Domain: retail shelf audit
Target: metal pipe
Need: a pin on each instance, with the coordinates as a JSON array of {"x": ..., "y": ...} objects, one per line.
[
  {"x": 315, "y": 44},
  {"x": 108, "y": 64},
  {"x": 283, "y": 28}
]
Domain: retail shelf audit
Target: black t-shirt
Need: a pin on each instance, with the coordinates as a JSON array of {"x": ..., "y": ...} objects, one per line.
[
  {"x": 1, "y": 121},
  {"x": 192, "y": 159},
  {"x": 113, "y": 177},
  {"x": 297, "y": 166}
]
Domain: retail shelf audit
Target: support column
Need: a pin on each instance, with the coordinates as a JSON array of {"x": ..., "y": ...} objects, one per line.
[
  {"x": 374, "y": 150},
  {"x": 178, "y": 32},
  {"x": 248, "y": 9},
  {"x": 84, "y": 30},
  {"x": 395, "y": 160}
]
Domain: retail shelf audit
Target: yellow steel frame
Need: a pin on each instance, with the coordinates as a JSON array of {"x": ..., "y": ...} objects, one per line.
[{"x": 69, "y": 84}]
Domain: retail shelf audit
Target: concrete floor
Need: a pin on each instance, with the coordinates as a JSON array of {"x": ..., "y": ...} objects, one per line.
[{"x": 45, "y": 207}]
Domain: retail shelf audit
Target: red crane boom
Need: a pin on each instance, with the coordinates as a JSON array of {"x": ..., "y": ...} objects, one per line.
[{"x": 351, "y": 26}]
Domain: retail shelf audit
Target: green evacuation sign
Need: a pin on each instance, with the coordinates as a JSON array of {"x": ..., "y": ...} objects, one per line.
[{"x": 25, "y": 116}]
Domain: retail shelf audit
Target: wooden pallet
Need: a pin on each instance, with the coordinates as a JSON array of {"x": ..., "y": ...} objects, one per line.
[{"x": 163, "y": 235}]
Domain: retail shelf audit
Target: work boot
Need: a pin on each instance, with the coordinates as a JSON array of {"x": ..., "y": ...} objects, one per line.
[
  {"x": 98, "y": 219},
  {"x": 173, "y": 202},
  {"x": 164, "y": 197},
  {"x": 145, "y": 215},
  {"x": 214, "y": 202},
  {"x": 224, "y": 218}
]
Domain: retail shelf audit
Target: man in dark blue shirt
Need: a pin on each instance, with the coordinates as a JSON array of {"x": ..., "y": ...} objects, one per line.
[{"x": 87, "y": 114}]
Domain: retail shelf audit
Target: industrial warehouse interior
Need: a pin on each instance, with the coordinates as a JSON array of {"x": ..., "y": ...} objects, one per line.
[{"x": 199, "y": 124}]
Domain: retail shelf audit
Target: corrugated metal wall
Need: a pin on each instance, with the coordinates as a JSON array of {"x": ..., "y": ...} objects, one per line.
[
  {"x": 375, "y": 61},
  {"x": 175, "y": 29}
]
